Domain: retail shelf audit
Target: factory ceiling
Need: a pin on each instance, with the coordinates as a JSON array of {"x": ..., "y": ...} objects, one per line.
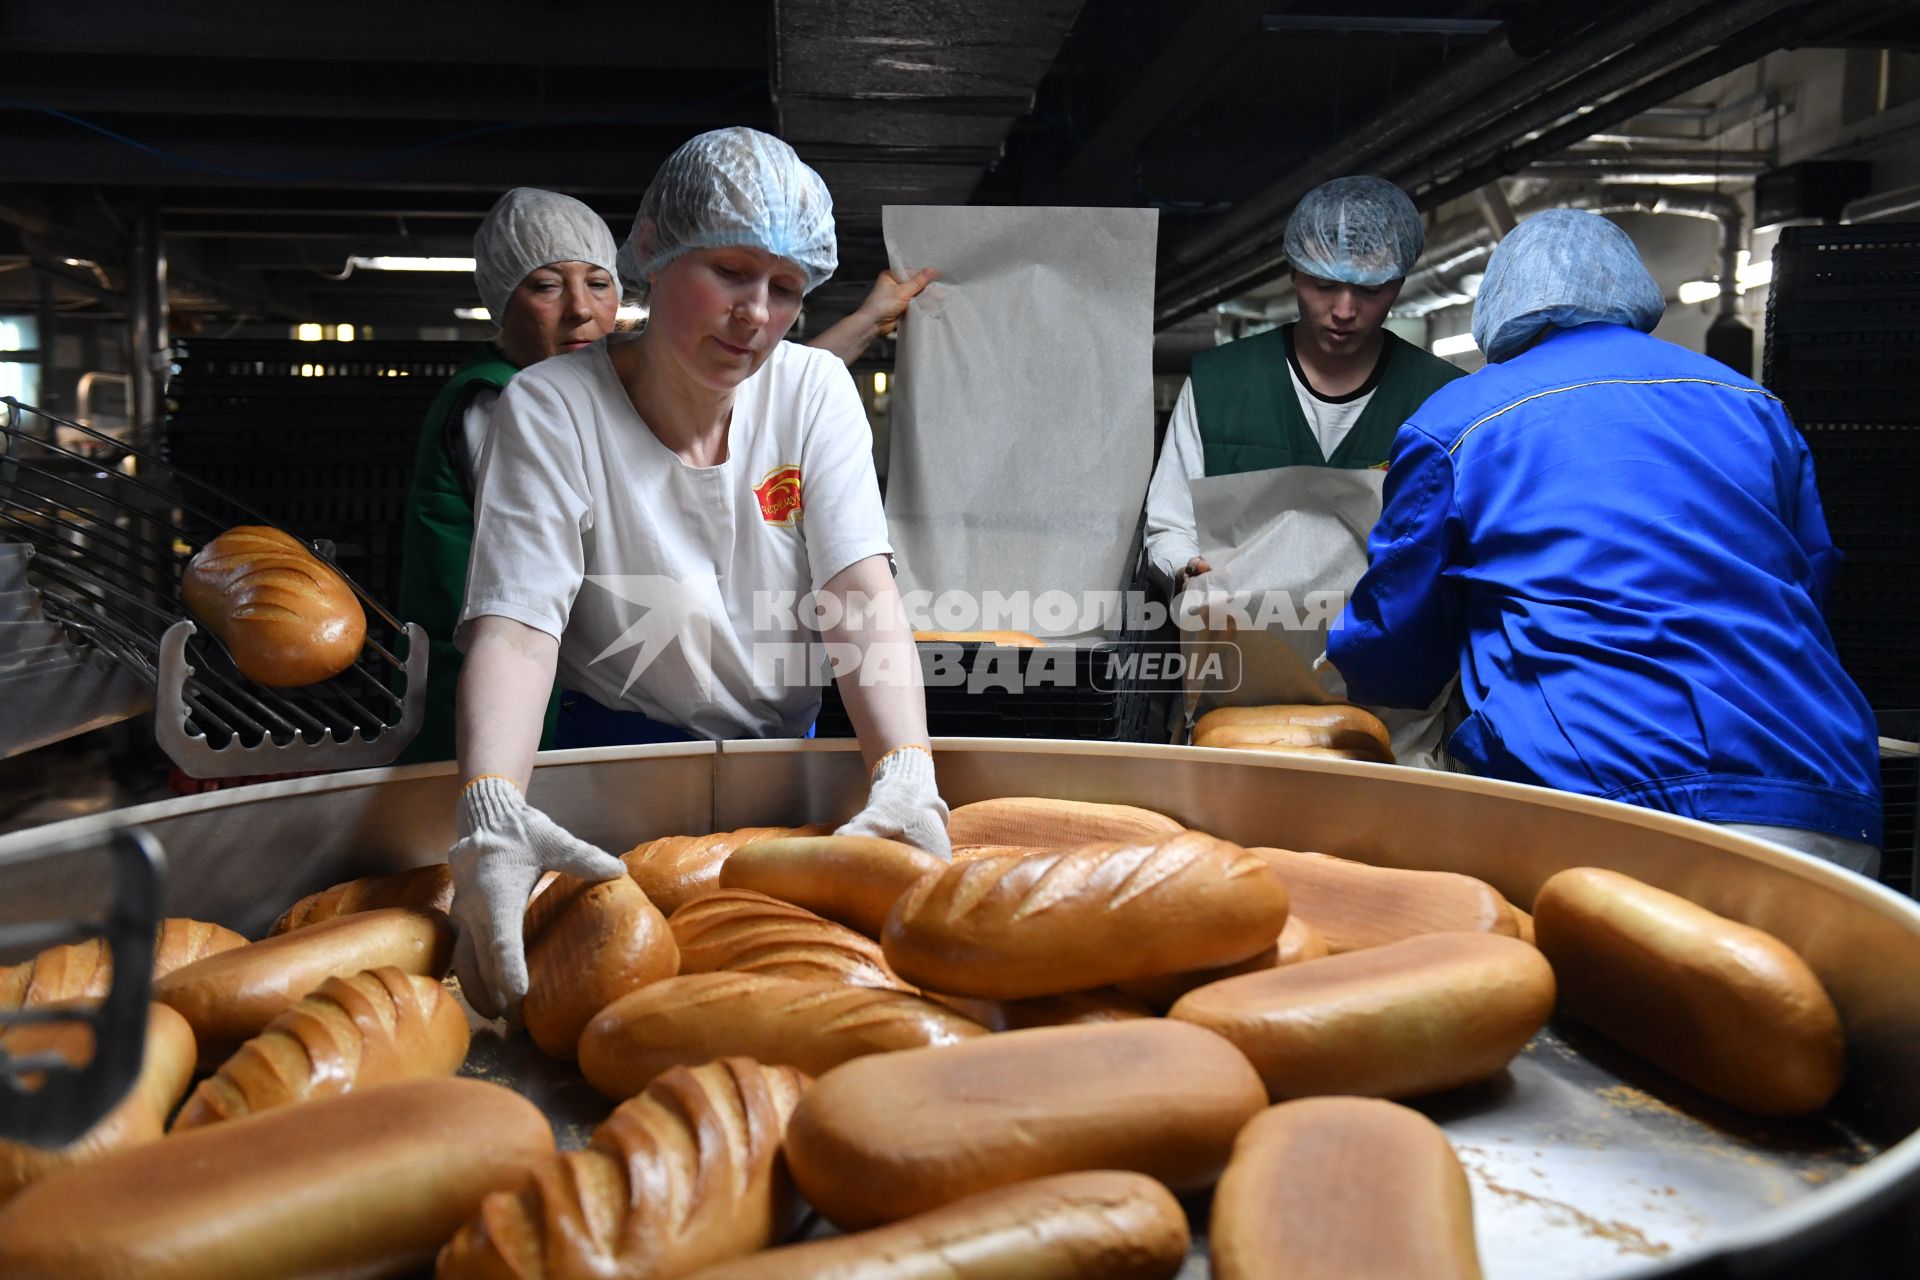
[{"x": 276, "y": 142}]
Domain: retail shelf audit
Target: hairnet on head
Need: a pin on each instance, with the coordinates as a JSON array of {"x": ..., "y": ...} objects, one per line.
[
  {"x": 1358, "y": 230},
  {"x": 527, "y": 229},
  {"x": 733, "y": 186},
  {"x": 1562, "y": 268}
]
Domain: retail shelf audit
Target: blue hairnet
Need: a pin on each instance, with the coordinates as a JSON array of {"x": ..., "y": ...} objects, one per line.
[
  {"x": 733, "y": 186},
  {"x": 1562, "y": 268},
  {"x": 1356, "y": 230},
  {"x": 527, "y": 229}
]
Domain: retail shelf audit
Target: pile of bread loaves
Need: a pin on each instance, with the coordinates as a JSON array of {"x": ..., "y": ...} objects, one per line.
[{"x": 1002, "y": 1067}]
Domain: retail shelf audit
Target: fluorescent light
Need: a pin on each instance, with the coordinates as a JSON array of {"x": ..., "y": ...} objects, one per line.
[
  {"x": 343, "y": 333},
  {"x": 631, "y": 313},
  {"x": 310, "y": 332},
  {"x": 879, "y": 384},
  {"x": 472, "y": 313},
  {"x": 1458, "y": 345},
  {"x": 1751, "y": 275},
  {"x": 1698, "y": 291},
  {"x": 412, "y": 264}
]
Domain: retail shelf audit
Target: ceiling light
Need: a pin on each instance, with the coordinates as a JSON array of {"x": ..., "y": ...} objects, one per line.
[
  {"x": 631, "y": 313},
  {"x": 472, "y": 313},
  {"x": 880, "y": 383},
  {"x": 1458, "y": 345},
  {"x": 412, "y": 264},
  {"x": 1751, "y": 275},
  {"x": 310, "y": 332}
]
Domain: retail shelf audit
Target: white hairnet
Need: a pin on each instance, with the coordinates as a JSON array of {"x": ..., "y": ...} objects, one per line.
[
  {"x": 527, "y": 229},
  {"x": 731, "y": 187},
  {"x": 1562, "y": 268},
  {"x": 1358, "y": 230}
]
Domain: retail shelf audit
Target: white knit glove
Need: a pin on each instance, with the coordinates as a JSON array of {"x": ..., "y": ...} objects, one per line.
[
  {"x": 505, "y": 846},
  {"x": 904, "y": 804}
]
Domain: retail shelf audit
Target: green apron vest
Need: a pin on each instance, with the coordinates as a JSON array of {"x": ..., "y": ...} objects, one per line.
[
  {"x": 1250, "y": 416},
  {"x": 438, "y": 541}
]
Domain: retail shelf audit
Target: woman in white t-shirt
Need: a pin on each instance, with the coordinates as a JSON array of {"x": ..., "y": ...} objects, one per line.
[{"x": 665, "y": 518}]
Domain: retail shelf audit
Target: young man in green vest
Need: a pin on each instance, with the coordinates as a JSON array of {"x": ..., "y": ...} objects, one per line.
[
  {"x": 1330, "y": 390},
  {"x": 1317, "y": 403}
]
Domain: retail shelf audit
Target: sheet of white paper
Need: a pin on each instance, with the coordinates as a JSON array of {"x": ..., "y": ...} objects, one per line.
[{"x": 1021, "y": 438}]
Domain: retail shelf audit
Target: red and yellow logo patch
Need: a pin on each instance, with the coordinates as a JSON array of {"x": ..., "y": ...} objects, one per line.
[{"x": 779, "y": 495}]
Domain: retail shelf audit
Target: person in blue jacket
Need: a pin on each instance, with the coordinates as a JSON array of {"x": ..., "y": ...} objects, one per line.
[{"x": 1619, "y": 545}]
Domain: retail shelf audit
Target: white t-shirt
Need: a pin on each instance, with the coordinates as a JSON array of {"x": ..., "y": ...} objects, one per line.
[
  {"x": 1171, "y": 533},
  {"x": 673, "y": 589}
]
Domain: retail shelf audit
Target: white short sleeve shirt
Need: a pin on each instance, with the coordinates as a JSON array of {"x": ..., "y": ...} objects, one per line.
[{"x": 675, "y": 590}]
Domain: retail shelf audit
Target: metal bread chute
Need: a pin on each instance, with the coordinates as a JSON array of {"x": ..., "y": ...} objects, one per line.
[{"x": 111, "y": 527}]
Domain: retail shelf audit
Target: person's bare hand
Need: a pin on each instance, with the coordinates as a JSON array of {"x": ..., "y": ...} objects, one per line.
[
  {"x": 1194, "y": 568},
  {"x": 887, "y": 300}
]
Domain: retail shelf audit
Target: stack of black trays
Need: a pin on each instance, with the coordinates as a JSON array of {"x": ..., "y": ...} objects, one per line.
[
  {"x": 1107, "y": 693},
  {"x": 319, "y": 436},
  {"x": 1900, "y": 785},
  {"x": 1843, "y": 352}
]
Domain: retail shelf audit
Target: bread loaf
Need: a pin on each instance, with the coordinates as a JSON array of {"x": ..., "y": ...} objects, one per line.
[
  {"x": 1012, "y": 639},
  {"x": 231, "y": 997},
  {"x": 1353, "y": 906},
  {"x": 1042, "y": 924},
  {"x": 1298, "y": 942},
  {"x": 1076, "y": 1008},
  {"x": 1039, "y": 823},
  {"x": 421, "y": 889},
  {"x": 1725, "y": 1007},
  {"x": 84, "y": 970},
  {"x": 1073, "y": 1226},
  {"x": 166, "y": 1067},
  {"x": 352, "y": 1033},
  {"x": 852, "y": 880},
  {"x": 1334, "y": 728},
  {"x": 1410, "y": 1018},
  {"x": 698, "y": 1017},
  {"x": 685, "y": 1174},
  {"x": 588, "y": 944},
  {"x": 369, "y": 1184},
  {"x": 747, "y": 932},
  {"x": 1348, "y": 1187},
  {"x": 1522, "y": 924},
  {"x": 968, "y": 852},
  {"x": 673, "y": 869},
  {"x": 286, "y": 618},
  {"x": 886, "y": 1137}
]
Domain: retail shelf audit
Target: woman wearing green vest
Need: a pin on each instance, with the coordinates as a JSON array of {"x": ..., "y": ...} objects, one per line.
[
  {"x": 1329, "y": 391},
  {"x": 544, "y": 265}
]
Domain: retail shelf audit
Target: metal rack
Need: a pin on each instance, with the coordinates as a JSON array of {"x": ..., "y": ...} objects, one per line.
[{"x": 112, "y": 527}]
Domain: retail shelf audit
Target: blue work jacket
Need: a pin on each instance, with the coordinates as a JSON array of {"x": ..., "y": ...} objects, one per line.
[{"x": 1619, "y": 544}]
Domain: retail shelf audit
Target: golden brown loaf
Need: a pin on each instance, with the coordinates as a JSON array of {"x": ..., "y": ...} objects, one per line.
[
  {"x": 683, "y": 1175},
  {"x": 1725, "y": 1007},
  {"x": 1073, "y": 1226},
  {"x": 421, "y": 889},
  {"x": 588, "y": 944},
  {"x": 1075, "y": 1008},
  {"x": 165, "y": 1071},
  {"x": 1522, "y": 923},
  {"x": 231, "y": 997},
  {"x": 747, "y": 932},
  {"x": 369, "y": 1184},
  {"x": 1298, "y": 942},
  {"x": 886, "y": 1137},
  {"x": 286, "y": 618},
  {"x": 1353, "y": 906},
  {"x": 698, "y": 1017},
  {"x": 852, "y": 880},
  {"x": 84, "y": 970},
  {"x": 1413, "y": 1017},
  {"x": 673, "y": 869},
  {"x": 1041, "y": 924},
  {"x": 1039, "y": 823},
  {"x": 1385, "y": 1197},
  {"x": 1013, "y": 639},
  {"x": 373, "y": 1028},
  {"x": 1336, "y": 728}
]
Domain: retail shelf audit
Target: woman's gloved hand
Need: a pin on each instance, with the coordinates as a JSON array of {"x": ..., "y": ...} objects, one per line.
[
  {"x": 904, "y": 804},
  {"x": 505, "y": 846}
]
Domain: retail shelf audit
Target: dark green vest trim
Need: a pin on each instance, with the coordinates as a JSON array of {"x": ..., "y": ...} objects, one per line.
[
  {"x": 437, "y": 542},
  {"x": 1250, "y": 416}
]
